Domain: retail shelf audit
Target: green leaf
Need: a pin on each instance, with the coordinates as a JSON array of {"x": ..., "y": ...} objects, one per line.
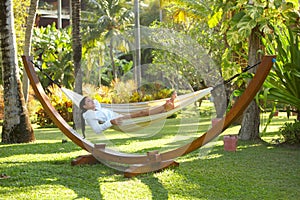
[
  {"x": 215, "y": 19},
  {"x": 237, "y": 17}
]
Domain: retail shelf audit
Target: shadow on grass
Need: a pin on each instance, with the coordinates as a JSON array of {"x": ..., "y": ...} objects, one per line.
[
  {"x": 215, "y": 174},
  {"x": 57, "y": 172},
  {"x": 28, "y": 172},
  {"x": 166, "y": 140},
  {"x": 83, "y": 180},
  {"x": 54, "y": 170},
  {"x": 157, "y": 131},
  {"x": 8, "y": 150},
  {"x": 156, "y": 187},
  {"x": 226, "y": 175}
]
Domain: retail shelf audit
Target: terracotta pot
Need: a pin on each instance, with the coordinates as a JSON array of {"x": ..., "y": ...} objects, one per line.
[{"x": 230, "y": 142}]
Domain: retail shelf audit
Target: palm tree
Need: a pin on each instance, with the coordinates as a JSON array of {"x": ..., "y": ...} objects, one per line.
[
  {"x": 137, "y": 53},
  {"x": 16, "y": 124},
  {"x": 105, "y": 19},
  {"x": 27, "y": 43},
  {"x": 77, "y": 54}
]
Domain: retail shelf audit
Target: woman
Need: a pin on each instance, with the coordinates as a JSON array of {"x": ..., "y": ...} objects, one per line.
[{"x": 101, "y": 119}]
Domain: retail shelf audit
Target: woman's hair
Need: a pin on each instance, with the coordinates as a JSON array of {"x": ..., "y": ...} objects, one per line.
[
  {"x": 82, "y": 110},
  {"x": 82, "y": 103}
]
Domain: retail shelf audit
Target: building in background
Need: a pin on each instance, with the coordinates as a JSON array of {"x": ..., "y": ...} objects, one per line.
[{"x": 50, "y": 12}]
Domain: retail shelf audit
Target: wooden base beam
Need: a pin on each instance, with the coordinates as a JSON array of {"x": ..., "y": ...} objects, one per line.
[{"x": 84, "y": 159}]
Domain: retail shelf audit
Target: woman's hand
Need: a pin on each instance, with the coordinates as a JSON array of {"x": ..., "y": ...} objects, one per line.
[
  {"x": 116, "y": 121},
  {"x": 119, "y": 120}
]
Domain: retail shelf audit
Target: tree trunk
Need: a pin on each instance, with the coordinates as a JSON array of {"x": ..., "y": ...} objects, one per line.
[
  {"x": 112, "y": 60},
  {"x": 220, "y": 104},
  {"x": 214, "y": 78},
  {"x": 251, "y": 121},
  {"x": 77, "y": 53},
  {"x": 27, "y": 45},
  {"x": 16, "y": 124},
  {"x": 137, "y": 54}
]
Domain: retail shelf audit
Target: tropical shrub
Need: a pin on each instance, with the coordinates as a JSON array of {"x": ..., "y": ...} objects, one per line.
[
  {"x": 60, "y": 102},
  {"x": 283, "y": 81},
  {"x": 123, "y": 91},
  {"x": 53, "y": 49},
  {"x": 291, "y": 132}
]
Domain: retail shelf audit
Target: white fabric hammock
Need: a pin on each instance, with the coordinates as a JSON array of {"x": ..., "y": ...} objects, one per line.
[{"x": 133, "y": 124}]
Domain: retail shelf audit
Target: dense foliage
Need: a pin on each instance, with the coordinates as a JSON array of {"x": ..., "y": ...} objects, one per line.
[
  {"x": 60, "y": 102},
  {"x": 53, "y": 51},
  {"x": 284, "y": 80},
  {"x": 291, "y": 132},
  {"x": 221, "y": 27}
]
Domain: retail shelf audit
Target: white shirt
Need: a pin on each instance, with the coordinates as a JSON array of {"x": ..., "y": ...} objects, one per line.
[{"x": 100, "y": 115}]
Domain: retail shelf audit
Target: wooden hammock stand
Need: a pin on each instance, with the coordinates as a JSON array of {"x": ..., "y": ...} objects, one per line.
[{"x": 152, "y": 161}]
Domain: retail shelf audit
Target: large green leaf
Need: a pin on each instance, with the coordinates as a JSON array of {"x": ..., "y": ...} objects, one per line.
[
  {"x": 284, "y": 80},
  {"x": 283, "y": 97}
]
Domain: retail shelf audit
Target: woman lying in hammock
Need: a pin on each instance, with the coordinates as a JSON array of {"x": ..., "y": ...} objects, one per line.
[{"x": 101, "y": 119}]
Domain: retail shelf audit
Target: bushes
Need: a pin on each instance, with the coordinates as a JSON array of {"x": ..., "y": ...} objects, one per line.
[
  {"x": 60, "y": 102},
  {"x": 63, "y": 108},
  {"x": 291, "y": 132}
]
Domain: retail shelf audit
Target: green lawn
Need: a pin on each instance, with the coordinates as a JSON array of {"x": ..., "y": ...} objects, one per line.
[{"x": 42, "y": 170}]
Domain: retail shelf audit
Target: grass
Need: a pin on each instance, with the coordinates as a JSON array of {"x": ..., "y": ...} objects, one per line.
[{"x": 257, "y": 170}]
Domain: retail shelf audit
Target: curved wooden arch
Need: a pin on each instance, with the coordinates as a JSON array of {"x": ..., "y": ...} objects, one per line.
[
  {"x": 152, "y": 161},
  {"x": 50, "y": 110}
]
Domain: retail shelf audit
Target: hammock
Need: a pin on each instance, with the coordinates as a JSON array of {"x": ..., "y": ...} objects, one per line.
[
  {"x": 152, "y": 161},
  {"x": 134, "y": 124}
]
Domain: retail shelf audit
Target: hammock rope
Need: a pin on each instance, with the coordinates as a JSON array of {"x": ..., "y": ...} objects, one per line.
[{"x": 225, "y": 82}]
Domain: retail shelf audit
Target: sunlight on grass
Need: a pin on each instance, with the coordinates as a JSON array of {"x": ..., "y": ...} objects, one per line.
[
  {"x": 176, "y": 132},
  {"x": 41, "y": 192},
  {"x": 272, "y": 134},
  {"x": 121, "y": 189},
  {"x": 167, "y": 179},
  {"x": 37, "y": 157},
  {"x": 42, "y": 169}
]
